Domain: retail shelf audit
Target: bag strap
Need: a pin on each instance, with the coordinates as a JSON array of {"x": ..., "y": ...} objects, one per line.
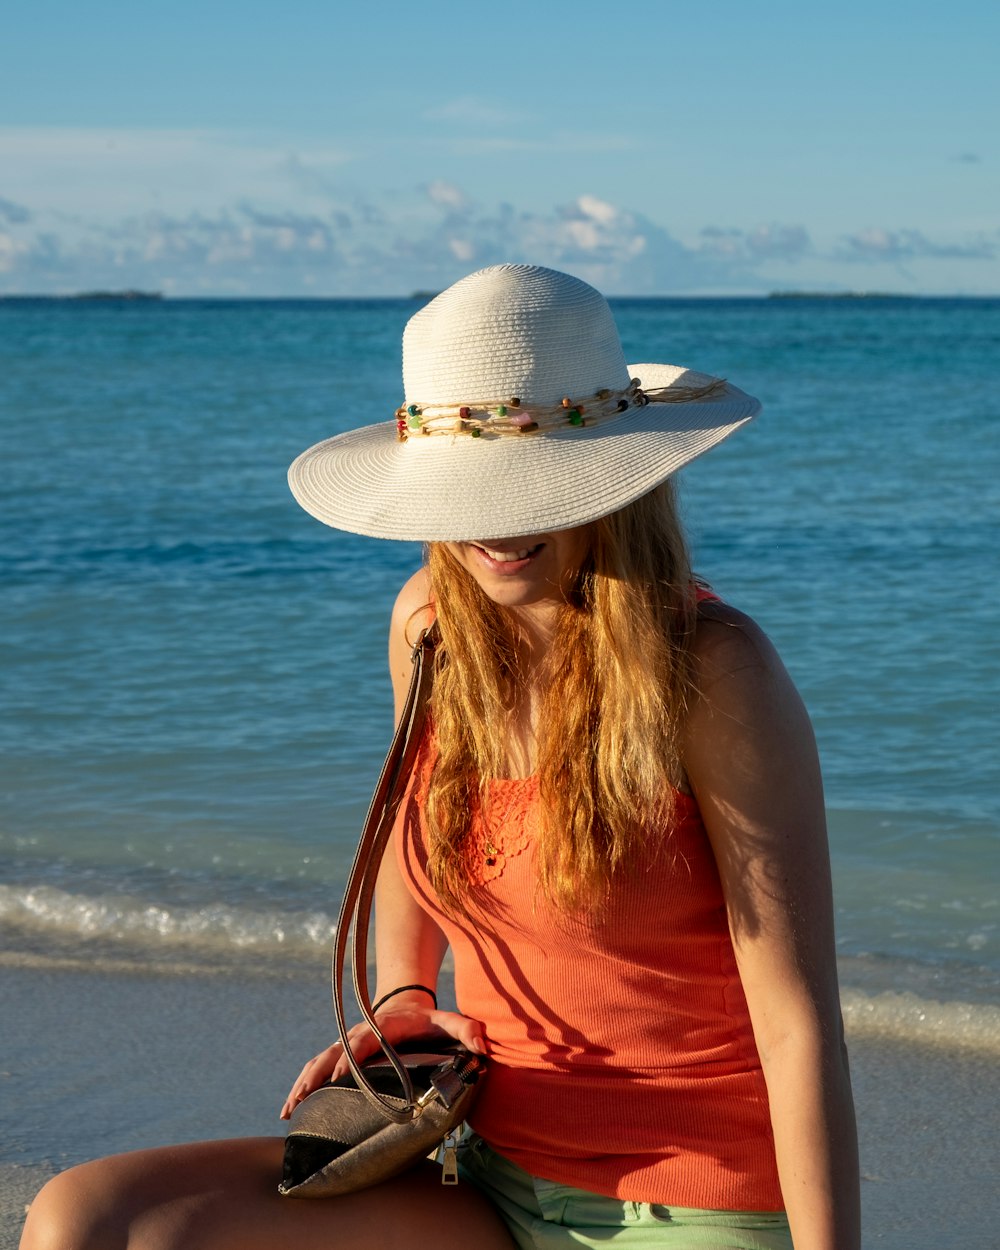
[{"x": 355, "y": 910}]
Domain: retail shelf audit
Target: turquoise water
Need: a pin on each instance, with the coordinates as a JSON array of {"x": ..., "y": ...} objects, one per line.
[{"x": 193, "y": 698}]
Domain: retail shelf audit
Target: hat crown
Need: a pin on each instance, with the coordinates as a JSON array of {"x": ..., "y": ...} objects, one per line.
[{"x": 512, "y": 330}]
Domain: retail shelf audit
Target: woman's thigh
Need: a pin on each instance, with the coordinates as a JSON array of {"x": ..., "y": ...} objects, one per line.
[{"x": 223, "y": 1196}]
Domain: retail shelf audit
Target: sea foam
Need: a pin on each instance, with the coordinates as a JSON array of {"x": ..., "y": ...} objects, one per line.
[
  {"x": 46, "y": 926},
  {"x": 48, "y": 913}
]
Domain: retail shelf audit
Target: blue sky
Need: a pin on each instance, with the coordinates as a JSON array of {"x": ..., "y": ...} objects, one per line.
[{"x": 326, "y": 149}]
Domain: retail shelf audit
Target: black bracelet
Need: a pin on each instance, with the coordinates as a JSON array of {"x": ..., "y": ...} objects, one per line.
[{"x": 401, "y": 989}]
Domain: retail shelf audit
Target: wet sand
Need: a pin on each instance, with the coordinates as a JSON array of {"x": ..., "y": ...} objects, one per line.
[{"x": 96, "y": 1061}]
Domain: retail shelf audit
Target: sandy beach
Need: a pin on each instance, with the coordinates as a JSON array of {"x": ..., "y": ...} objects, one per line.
[{"x": 119, "y": 1057}]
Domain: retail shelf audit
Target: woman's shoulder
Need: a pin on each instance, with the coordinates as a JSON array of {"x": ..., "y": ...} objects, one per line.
[
  {"x": 413, "y": 609},
  {"x": 731, "y": 650},
  {"x": 744, "y": 705},
  {"x": 412, "y": 612}
]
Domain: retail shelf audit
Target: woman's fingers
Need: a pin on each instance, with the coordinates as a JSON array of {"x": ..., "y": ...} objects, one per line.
[
  {"x": 462, "y": 1029},
  {"x": 363, "y": 1043},
  {"x": 398, "y": 1025},
  {"x": 328, "y": 1065},
  {"x": 314, "y": 1074}
]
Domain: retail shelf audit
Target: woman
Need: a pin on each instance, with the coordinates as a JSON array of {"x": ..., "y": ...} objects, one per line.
[{"x": 615, "y": 821}]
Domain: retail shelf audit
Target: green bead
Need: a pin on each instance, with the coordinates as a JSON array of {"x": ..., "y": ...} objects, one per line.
[
  {"x": 414, "y": 422},
  {"x": 502, "y": 410},
  {"x": 575, "y": 417},
  {"x": 475, "y": 431},
  {"x": 412, "y": 409}
]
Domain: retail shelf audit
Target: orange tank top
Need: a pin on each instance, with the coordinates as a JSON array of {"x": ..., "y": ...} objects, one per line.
[{"x": 622, "y": 1057}]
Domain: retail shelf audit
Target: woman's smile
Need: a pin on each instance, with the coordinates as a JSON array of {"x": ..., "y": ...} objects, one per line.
[
  {"x": 527, "y": 570},
  {"x": 506, "y": 561}
]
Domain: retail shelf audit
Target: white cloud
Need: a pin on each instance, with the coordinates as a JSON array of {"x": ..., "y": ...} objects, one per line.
[
  {"x": 425, "y": 238},
  {"x": 723, "y": 243},
  {"x": 584, "y": 234},
  {"x": 879, "y": 244},
  {"x": 872, "y": 242},
  {"x": 775, "y": 240},
  {"x": 11, "y": 252},
  {"x": 766, "y": 242},
  {"x": 600, "y": 211},
  {"x": 378, "y": 249},
  {"x": 446, "y": 195}
]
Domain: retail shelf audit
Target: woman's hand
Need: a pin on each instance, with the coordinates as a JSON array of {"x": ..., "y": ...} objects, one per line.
[{"x": 398, "y": 1021}]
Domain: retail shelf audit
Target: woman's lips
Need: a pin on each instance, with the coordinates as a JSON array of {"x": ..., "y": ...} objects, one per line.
[{"x": 506, "y": 561}]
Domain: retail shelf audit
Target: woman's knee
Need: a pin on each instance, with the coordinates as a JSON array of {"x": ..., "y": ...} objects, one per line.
[
  {"x": 110, "y": 1204},
  {"x": 167, "y": 1198},
  {"x": 75, "y": 1211}
]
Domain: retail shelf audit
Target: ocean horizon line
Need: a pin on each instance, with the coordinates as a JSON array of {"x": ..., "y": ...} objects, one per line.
[{"x": 159, "y": 298}]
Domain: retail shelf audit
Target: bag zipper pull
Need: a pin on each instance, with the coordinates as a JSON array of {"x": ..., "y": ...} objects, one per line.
[{"x": 449, "y": 1160}]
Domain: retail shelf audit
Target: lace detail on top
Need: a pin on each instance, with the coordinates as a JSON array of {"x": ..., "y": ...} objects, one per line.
[
  {"x": 507, "y": 826},
  {"x": 503, "y": 829}
]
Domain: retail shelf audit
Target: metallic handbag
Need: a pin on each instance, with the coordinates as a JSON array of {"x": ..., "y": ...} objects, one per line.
[{"x": 397, "y": 1107}]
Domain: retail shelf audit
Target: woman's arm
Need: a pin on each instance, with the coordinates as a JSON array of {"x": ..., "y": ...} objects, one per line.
[
  {"x": 409, "y": 945},
  {"x": 751, "y": 761}
]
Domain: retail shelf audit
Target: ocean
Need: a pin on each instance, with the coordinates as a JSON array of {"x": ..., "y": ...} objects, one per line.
[{"x": 194, "y": 694}]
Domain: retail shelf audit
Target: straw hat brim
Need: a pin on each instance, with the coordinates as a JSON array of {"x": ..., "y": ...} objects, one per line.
[{"x": 445, "y": 488}]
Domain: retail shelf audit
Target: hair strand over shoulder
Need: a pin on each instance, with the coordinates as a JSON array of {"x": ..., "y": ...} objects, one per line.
[{"x": 614, "y": 691}]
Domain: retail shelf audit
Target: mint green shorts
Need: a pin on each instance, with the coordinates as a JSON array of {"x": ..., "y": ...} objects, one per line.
[{"x": 545, "y": 1215}]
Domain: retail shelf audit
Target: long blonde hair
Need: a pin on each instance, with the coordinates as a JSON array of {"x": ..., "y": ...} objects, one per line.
[{"x": 613, "y": 692}]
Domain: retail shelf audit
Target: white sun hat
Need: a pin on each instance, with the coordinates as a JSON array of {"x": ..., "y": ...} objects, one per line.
[{"x": 520, "y": 417}]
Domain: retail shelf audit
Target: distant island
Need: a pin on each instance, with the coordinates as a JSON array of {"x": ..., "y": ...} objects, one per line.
[
  {"x": 129, "y": 295},
  {"x": 836, "y": 295}
]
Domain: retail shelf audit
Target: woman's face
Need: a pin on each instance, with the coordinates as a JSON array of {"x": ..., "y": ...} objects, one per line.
[{"x": 523, "y": 572}]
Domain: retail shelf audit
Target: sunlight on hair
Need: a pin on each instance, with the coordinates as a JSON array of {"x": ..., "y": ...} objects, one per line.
[{"x": 615, "y": 688}]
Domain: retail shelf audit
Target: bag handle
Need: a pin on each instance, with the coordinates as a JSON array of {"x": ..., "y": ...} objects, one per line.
[{"x": 355, "y": 910}]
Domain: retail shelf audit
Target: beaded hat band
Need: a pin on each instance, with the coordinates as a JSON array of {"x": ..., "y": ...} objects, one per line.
[
  {"x": 521, "y": 416},
  {"x": 513, "y": 417}
]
